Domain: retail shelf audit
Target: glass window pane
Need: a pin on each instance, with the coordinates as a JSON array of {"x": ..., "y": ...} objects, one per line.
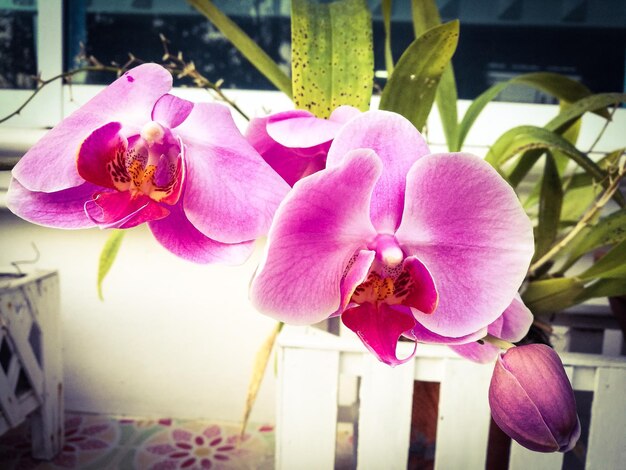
[{"x": 18, "y": 63}]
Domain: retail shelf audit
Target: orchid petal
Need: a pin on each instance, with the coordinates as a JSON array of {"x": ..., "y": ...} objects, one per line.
[
  {"x": 319, "y": 226},
  {"x": 482, "y": 353},
  {"x": 380, "y": 329},
  {"x": 122, "y": 210},
  {"x": 180, "y": 237},
  {"x": 292, "y": 164},
  {"x": 231, "y": 194},
  {"x": 101, "y": 156},
  {"x": 171, "y": 111},
  {"x": 50, "y": 165},
  {"x": 61, "y": 209},
  {"x": 344, "y": 113},
  {"x": 422, "y": 292},
  {"x": 301, "y": 131},
  {"x": 477, "y": 245},
  {"x": 355, "y": 273},
  {"x": 423, "y": 335},
  {"x": 398, "y": 144},
  {"x": 516, "y": 321}
]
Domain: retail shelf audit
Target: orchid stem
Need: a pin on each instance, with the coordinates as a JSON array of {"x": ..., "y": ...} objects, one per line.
[
  {"x": 497, "y": 342},
  {"x": 582, "y": 223}
]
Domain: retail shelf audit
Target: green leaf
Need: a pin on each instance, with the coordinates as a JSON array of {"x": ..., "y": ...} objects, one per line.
[
  {"x": 411, "y": 89},
  {"x": 550, "y": 200},
  {"x": 250, "y": 50},
  {"x": 587, "y": 104},
  {"x": 386, "y": 9},
  {"x": 603, "y": 288},
  {"x": 332, "y": 55},
  {"x": 559, "y": 86},
  {"x": 611, "y": 265},
  {"x": 552, "y": 295},
  {"x": 426, "y": 16},
  {"x": 523, "y": 138},
  {"x": 107, "y": 256}
]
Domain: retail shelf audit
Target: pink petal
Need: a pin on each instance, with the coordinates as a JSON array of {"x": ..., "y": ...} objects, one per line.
[
  {"x": 466, "y": 224},
  {"x": 122, "y": 210},
  {"x": 50, "y": 165},
  {"x": 516, "y": 321},
  {"x": 231, "y": 194},
  {"x": 61, "y": 209},
  {"x": 398, "y": 144},
  {"x": 291, "y": 164},
  {"x": 319, "y": 226},
  {"x": 295, "y": 129},
  {"x": 179, "y": 236},
  {"x": 423, "y": 335},
  {"x": 482, "y": 353},
  {"x": 343, "y": 114},
  {"x": 171, "y": 111},
  {"x": 380, "y": 329},
  {"x": 97, "y": 155}
]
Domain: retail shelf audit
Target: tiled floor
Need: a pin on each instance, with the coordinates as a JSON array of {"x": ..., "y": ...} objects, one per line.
[{"x": 101, "y": 442}]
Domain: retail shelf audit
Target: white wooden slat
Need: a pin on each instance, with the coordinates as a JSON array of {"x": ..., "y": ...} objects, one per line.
[
  {"x": 306, "y": 415},
  {"x": 386, "y": 400},
  {"x": 523, "y": 459},
  {"x": 607, "y": 431},
  {"x": 612, "y": 342},
  {"x": 464, "y": 417}
]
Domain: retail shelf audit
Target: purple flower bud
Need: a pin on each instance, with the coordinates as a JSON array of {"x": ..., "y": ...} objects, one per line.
[{"x": 532, "y": 400}]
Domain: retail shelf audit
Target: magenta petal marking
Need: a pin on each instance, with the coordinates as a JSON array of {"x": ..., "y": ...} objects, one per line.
[
  {"x": 422, "y": 291},
  {"x": 319, "y": 226},
  {"x": 171, "y": 111},
  {"x": 398, "y": 144},
  {"x": 180, "y": 237},
  {"x": 101, "y": 157},
  {"x": 61, "y": 209},
  {"x": 50, "y": 165},
  {"x": 532, "y": 400},
  {"x": 380, "y": 329},
  {"x": 355, "y": 273},
  {"x": 121, "y": 210},
  {"x": 466, "y": 224}
]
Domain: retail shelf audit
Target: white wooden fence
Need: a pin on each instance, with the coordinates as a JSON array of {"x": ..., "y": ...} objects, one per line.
[
  {"x": 311, "y": 362},
  {"x": 30, "y": 359}
]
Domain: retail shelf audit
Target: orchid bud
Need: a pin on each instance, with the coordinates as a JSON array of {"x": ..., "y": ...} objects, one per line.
[{"x": 532, "y": 400}]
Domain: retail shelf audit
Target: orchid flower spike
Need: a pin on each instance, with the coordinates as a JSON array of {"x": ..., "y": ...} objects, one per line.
[
  {"x": 395, "y": 240},
  {"x": 135, "y": 154},
  {"x": 295, "y": 143}
]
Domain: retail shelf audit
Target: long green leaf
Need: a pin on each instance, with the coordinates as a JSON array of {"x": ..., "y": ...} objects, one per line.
[
  {"x": 426, "y": 16},
  {"x": 250, "y": 50},
  {"x": 552, "y": 295},
  {"x": 550, "y": 200},
  {"x": 559, "y": 86},
  {"x": 603, "y": 288},
  {"x": 587, "y": 104},
  {"x": 386, "y": 10},
  {"x": 411, "y": 89},
  {"x": 611, "y": 265},
  {"x": 332, "y": 55},
  {"x": 107, "y": 256}
]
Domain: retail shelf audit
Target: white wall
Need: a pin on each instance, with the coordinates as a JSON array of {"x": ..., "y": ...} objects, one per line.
[{"x": 171, "y": 339}]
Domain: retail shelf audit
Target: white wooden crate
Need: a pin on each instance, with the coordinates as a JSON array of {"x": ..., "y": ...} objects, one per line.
[
  {"x": 311, "y": 362},
  {"x": 30, "y": 359}
]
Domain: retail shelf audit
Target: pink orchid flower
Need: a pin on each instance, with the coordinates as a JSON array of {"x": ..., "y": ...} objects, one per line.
[
  {"x": 396, "y": 241},
  {"x": 295, "y": 143},
  {"x": 136, "y": 154}
]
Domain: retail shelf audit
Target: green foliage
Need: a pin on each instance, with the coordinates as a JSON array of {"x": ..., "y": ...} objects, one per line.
[
  {"x": 412, "y": 86},
  {"x": 550, "y": 201},
  {"x": 386, "y": 10},
  {"x": 332, "y": 55},
  {"x": 550, "y": 295},
  {"x": 107, "y": 256},
  {"x": 250, "y": 50}
]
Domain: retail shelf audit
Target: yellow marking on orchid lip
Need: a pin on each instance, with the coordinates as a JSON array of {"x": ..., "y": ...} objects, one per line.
[{"x": 383, "y": 289}]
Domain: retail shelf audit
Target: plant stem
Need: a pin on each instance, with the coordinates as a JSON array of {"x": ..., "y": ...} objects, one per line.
[
  {"x": 582, "y": 223},
  {"x": 43, "y": 83},
  {"x": 497, "y": 342}
]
